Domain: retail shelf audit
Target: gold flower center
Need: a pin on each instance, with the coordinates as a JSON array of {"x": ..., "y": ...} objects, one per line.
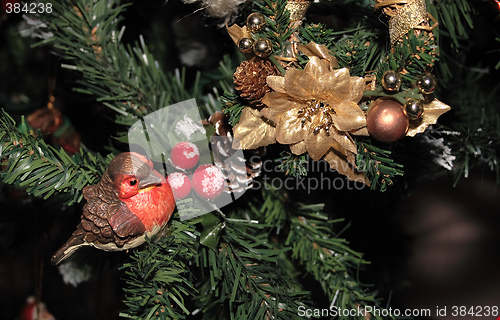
[{"x": 317, "y": 108}]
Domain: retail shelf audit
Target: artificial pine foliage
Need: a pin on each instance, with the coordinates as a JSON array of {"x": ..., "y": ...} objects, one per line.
[{"x": 282, "y": 248}]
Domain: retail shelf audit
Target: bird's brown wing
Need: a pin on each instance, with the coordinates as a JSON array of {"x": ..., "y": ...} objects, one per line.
[
  {"x": 105, "y": 218},
  {"x": 125, "y": 223}
]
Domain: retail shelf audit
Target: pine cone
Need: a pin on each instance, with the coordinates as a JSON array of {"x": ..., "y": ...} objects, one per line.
[
  {"x": 238, "y": 171},
  {"x": 250, "y": 80}
]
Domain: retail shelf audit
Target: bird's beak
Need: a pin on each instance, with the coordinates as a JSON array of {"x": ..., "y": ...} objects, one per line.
[{"x": 151, "y": 180}]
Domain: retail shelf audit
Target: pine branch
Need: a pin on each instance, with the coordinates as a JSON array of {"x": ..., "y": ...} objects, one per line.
[
  {"x": 127, "y": 79},
  {"x": 43, "y": 170},
  {"x": 318, "y": 33},
  {"x": 376, "y": 163},
  {"x": 223, "y": 75},
  {"x": 331, "y": 262},
  {"x": 454, "y": 18},
  {"x": 213, "y": 101},
  {"x": 355, "y": 48},
  {"x": 158, "y": 278},
  {"x": 278, "y": 23},
  {"x": 244, "y": 277},
  {"x": 293, "y": 165},
  {"x": 275, "y": 209},
  {"x": 233, "y": 106},
  {"x": 401, "y": 96},
  {"x": 412, "y": 58},
  {"x": 478, "y": 144},
  {"x": 323, "y": 254}
]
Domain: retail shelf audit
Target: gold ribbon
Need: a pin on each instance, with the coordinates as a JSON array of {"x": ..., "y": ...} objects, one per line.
[
  {"x": 406, "y": 18},
  {"x": 388, "y": 3},
  {"x": 319, "y": 50}
]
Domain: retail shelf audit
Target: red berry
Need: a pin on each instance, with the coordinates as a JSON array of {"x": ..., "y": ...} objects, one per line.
[
  {"x": 208, "y": 181},
  {"x": 185, "y": 155},
  {"x": 180, "y": 184}
]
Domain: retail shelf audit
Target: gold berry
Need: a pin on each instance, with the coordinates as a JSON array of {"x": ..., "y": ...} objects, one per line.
[
  {"x": 426, "y": 83},
  {"x": 391, "y": 80},
  {"x": 262, "y": 48},
  {"x": 245, "y": 45},
  {"x": 414, "y": 109},
  {"x": 256, "y": 22}
]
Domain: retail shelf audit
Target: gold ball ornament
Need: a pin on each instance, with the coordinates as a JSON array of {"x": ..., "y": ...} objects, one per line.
[
  {"x": 414, "y": 109},
  {"x": 426, "y": 83},
  {"x": 263, "y": 48},
  {"x": 256, "y": 22},
  {"x": 391, "y": 80},
  {"x": 386, "y": 121},
  {"x": 245, "y": 45}
]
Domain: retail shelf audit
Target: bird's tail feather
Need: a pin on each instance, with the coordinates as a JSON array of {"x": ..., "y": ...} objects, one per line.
[{"x": 67, "y": 249}]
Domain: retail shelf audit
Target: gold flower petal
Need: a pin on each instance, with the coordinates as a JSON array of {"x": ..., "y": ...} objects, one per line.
[
  {"x": 334, "y": 86},
  {"x": 318, "y": 144},
  {"x": 432, "y": 111},
  {"x": 344, "y": 140},
  {"x": 290, "y": 129},
  {"x": 316, "y": 67},
  {"x": 357, "y": 89},
  {"x": 348, "y": 116},
  {"x": 360, "y": 132},
  {"x": 300, "y": 85},
  {"x": 252, "y": 131},
  {"x": 298, "y": 148},
  {"x": 277, "y": 83},
  {"x": 343, "y": 163},
  {"x": 277, "y": 104}
]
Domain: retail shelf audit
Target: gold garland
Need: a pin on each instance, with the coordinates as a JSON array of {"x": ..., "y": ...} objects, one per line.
[
  {"x": 408, "y": 17},
  {"x": 298, "y": 9},
  {"x": 405, "y": 15}
]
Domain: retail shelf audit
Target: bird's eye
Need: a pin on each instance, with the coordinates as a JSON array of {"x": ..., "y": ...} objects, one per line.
[{"x": 133, "y": 182}]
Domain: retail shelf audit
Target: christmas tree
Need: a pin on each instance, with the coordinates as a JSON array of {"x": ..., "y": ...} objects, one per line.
[{"x": 316, "y": 143}]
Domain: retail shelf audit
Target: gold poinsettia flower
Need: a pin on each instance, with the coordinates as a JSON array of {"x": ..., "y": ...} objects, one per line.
[{"x": 316, "y": 111}]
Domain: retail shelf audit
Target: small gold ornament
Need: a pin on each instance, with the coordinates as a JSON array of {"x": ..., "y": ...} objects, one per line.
[
  {"x": 245, "y": 45},
  {"x": 431, "y": 113},
  {"x": 386, "y": 121},
  {"x": 262, "y": 48},
  {"x": 414, "y": 109},
  {"x": 426, "y": 83},
  {"x": 256, "y": 22},
  {"x": 391, "y": 80}
]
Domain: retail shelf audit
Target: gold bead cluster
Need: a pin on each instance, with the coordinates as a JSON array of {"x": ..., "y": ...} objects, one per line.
[{"x": 261, "y": 47}]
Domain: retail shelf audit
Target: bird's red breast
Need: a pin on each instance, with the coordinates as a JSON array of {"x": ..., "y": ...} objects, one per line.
[{"x": 152, "y": 205}]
